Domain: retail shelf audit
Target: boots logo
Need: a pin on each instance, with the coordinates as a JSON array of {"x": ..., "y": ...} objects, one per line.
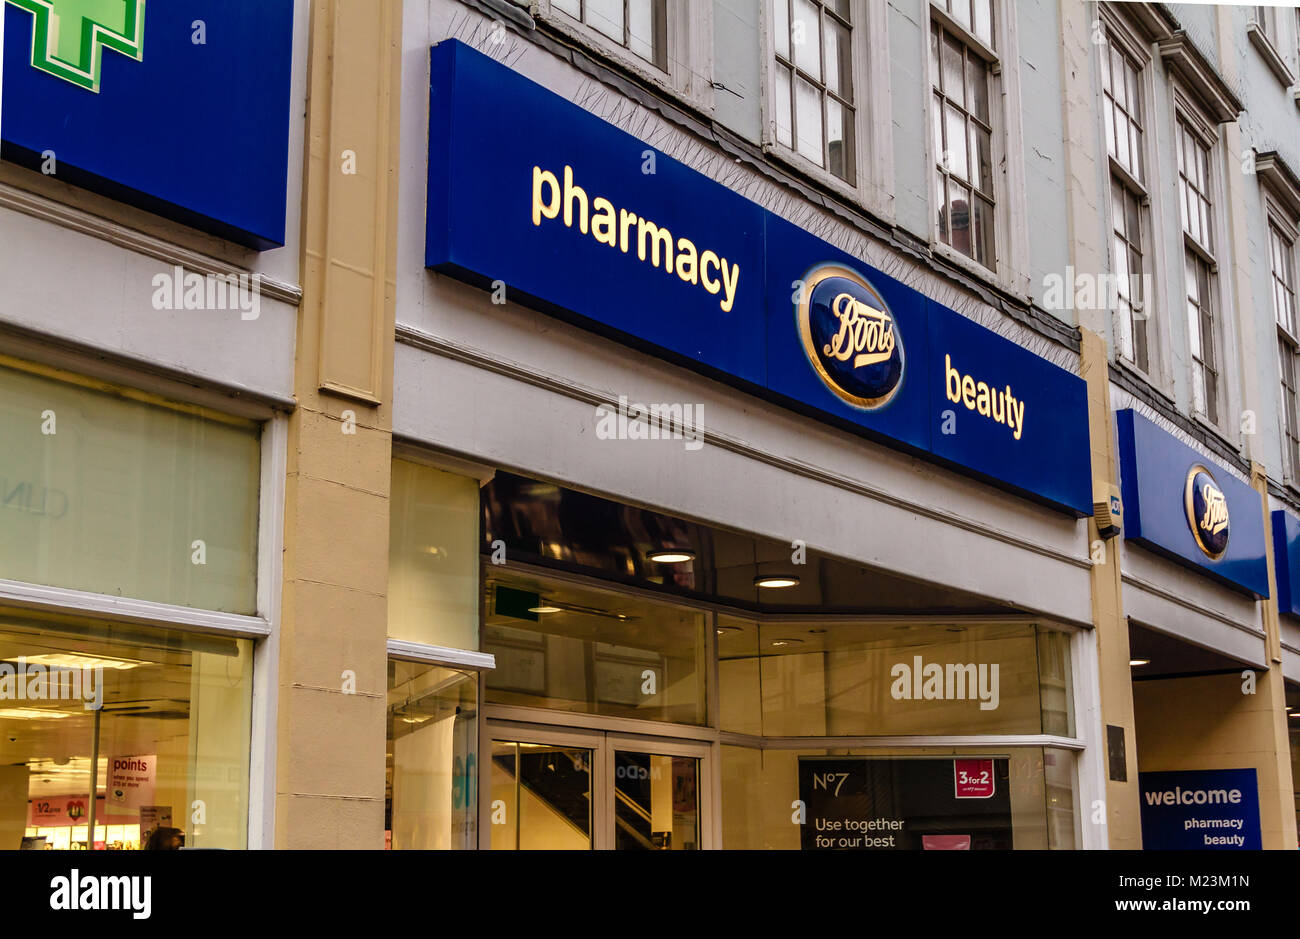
[
  {"x": 69, "y": 36},
  {"x": 1207, "y": 512},
  {"x": 849, "y": 336}
]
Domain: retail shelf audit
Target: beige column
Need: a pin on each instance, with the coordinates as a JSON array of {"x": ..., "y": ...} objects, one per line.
[
  {"x": 1124, "y": 823},
  {"x": 1276, "y": 791},
  {"x": 332, "y": 668}
]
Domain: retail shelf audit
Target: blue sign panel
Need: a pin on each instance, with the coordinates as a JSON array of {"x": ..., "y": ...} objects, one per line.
[
  {"x": 1187, "y": 508},
  {"x": 1286, "y": 561},
  {"x": 584, "y": 221},
  {"x": 1205, "y": 810},
  {"x": 180, "y": 107}
]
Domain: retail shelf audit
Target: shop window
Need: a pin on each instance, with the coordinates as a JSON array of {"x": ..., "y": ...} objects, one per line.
[
  {"x": 892, "y": 679},
  {"x": 925, "y": 798},
  {"x": 113, "y": 491},
  {"x": 593, "y": 651},
  {"x": 433, "y": 557},
  {"x": 160, "y": 716},
  {"x": 432, "y": 759},
  {"x": 813, "y": 105}
]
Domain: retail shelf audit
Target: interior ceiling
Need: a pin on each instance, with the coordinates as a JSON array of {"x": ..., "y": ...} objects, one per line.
[
  {"x": 1170, "y": 656},
  {"x": 548, "y": 525}
]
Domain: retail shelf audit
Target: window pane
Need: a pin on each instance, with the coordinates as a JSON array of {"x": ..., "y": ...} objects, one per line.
[
  {"x": 571, "y": 7},
  {"x": 982, "y": 160},
  {"x": 941, "y": 200},
  {"x": 432, "y": 780},
  {"x": 641, "y": 28},
  {"x": 1108, "y": 114},
  {"x": 606, "y": 16},
  {"x": 433, "y": 539},
  {"x": 952, "y": 67},
  {"x": 113, "y": 502},
  {"x": 589, "y": 650},
  {"x": 936, "y": 114},
  {"x": 839, "y": 139},
  {"x": 955, "y": 126},
  {"x": 977, "y": 88},
  {"x": 781, "y": 27},
  {"x": 167, "y": 714},
  {"x": 545, "y": 790},
  {"x": 784, "y": 131},
  {"x": 960, "y": 10},
  {"x": 983, "y": 222},
  {"x": 838, "y": 683},
  {"x": 808, "y": 120},
  {"x": 983, "y": 17},
  {"x": 656, "y": 802},
  {"x": 807, "y": 40},
  {"x": 839, "y": 60},
  {"x": 959, "y": 215}
]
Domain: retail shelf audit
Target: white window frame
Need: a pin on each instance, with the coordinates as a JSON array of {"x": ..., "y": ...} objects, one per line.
[
  {"x": 1275, "y": 216},
  {"x": 1217, "y": 254},
  {"x": 1010, "y": 212},
  {"x": 262, "y": 627},
  {"x": 1155, "y": 299},
  {"x": 689, "y": 75},
  {"x": 873, "y": 172}
]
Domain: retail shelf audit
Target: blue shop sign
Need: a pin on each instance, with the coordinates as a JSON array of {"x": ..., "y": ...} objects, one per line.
[
  {"x": 1286, "y": 561},
  {"x": 1207, "y": 810},
  {"x": 179, "y": 107},
  {"x": 586, "y": 222},
  {"x": 1187, "y": 508}
]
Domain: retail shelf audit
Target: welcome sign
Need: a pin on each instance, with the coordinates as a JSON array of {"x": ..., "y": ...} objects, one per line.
[
  {"x": 588, "y": 223},
  {"x": 180, "y": 107}
]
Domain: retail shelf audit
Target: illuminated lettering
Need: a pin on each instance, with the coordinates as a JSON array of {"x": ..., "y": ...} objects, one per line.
[{"x": 865, "y": 332}]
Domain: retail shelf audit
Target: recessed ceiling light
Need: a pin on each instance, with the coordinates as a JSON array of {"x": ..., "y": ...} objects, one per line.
[
  {"x": 545, "y": 609},
  {"x": 30, "y": 714},
  {"x": 1136, "y": 662},
  {"x": 672, "y": 555},
  {"x": 775, "y": 581}
]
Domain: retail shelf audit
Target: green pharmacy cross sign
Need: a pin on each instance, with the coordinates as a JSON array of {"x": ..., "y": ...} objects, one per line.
[{"x": 69, "y": 36}]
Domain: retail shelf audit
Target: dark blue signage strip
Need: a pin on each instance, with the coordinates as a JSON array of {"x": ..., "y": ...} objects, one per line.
[
  {"x": 1188, "y": 508},
  {"x": 584, "y": 221},
  {"x": 178, "y": 107},
  {"x": 1286, "y": 561},
  {"x": 1200, "y": 810}
]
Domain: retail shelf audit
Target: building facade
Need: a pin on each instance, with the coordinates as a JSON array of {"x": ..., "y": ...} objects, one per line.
[{"x": 650, "y": 424}]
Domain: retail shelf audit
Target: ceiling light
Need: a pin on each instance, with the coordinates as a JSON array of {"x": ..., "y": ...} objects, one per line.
[
  {"x": 545, "y": 609},
  {"x": 775, "y": 581},
  {"x": 30, "y": 714},
  {"x": 1136, "y": 662},
  {"x": 672, "y": 555},
  {"x": 76, "y": 660}
]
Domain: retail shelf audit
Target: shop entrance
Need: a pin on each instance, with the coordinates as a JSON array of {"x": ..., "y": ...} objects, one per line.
[{"x": 560, "y": 788}]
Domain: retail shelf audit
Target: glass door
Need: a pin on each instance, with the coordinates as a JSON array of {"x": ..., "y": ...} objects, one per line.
[
  {"x": 563, "y": 789},
  {"x": 655, "y": 790}
]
